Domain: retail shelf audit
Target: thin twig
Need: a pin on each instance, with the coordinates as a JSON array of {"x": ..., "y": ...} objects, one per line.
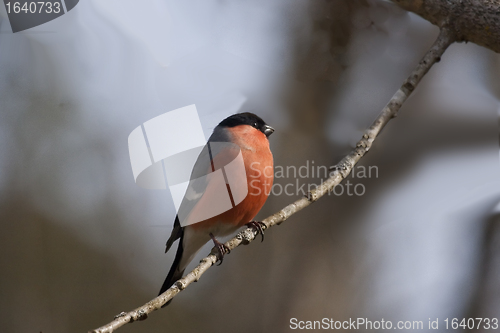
[{"x": 341, "y": 171}]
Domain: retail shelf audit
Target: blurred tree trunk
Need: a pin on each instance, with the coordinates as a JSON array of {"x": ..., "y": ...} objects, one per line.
[{"x": 486, "y": 301}]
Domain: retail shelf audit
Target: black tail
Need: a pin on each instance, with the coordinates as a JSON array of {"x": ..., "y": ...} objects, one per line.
[{"x": 174, "y": 274}]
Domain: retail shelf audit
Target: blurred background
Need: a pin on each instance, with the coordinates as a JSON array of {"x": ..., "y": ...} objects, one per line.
[{"x": 81, "y": 242}]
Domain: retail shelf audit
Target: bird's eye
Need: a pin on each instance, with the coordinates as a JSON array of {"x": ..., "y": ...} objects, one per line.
[{"x": 255, "y": 125}]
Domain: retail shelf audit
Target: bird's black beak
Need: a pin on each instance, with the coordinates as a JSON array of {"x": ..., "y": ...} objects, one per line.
[{"x": 267, "y": 130}]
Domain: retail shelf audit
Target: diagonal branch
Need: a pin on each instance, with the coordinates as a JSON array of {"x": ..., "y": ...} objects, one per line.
[{"x": 342, "y": 170}]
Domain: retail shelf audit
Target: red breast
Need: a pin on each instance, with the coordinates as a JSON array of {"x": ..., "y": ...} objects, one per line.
[{"x": 258, "y": 161}]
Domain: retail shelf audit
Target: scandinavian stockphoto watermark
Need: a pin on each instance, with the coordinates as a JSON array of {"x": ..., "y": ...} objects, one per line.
[
  {"x": 28, "y": 14},
  {"x": 294, "y": 180},
  {"x": 171, "y": 151}
]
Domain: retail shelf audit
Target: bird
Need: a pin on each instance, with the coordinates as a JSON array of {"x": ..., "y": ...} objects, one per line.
[{"x": 241, "y": 132}]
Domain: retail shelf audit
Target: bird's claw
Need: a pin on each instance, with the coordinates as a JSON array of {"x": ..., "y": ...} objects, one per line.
[
  {"x": 257, "y": 225},
  {"x": 222, "y": 249}
]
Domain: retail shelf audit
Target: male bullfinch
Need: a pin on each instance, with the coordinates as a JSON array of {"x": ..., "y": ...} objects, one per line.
[{"x": 243, "y": 132}]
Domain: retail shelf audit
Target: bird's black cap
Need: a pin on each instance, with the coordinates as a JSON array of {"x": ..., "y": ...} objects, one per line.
[{"x": 247, "y": 118}]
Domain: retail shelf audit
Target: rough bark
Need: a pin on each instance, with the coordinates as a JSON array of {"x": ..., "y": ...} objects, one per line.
[{"x": 476, "y": 21}]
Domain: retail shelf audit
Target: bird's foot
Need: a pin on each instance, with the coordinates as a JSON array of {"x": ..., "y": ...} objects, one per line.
[
  {"x": 257, "y": 225},
  {"x": 222, "y": 249}
]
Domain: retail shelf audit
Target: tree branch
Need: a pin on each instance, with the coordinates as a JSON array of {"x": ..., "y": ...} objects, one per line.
[
  {"x": 342, "y": 170},
  {"x": 474, "y": 21}
]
